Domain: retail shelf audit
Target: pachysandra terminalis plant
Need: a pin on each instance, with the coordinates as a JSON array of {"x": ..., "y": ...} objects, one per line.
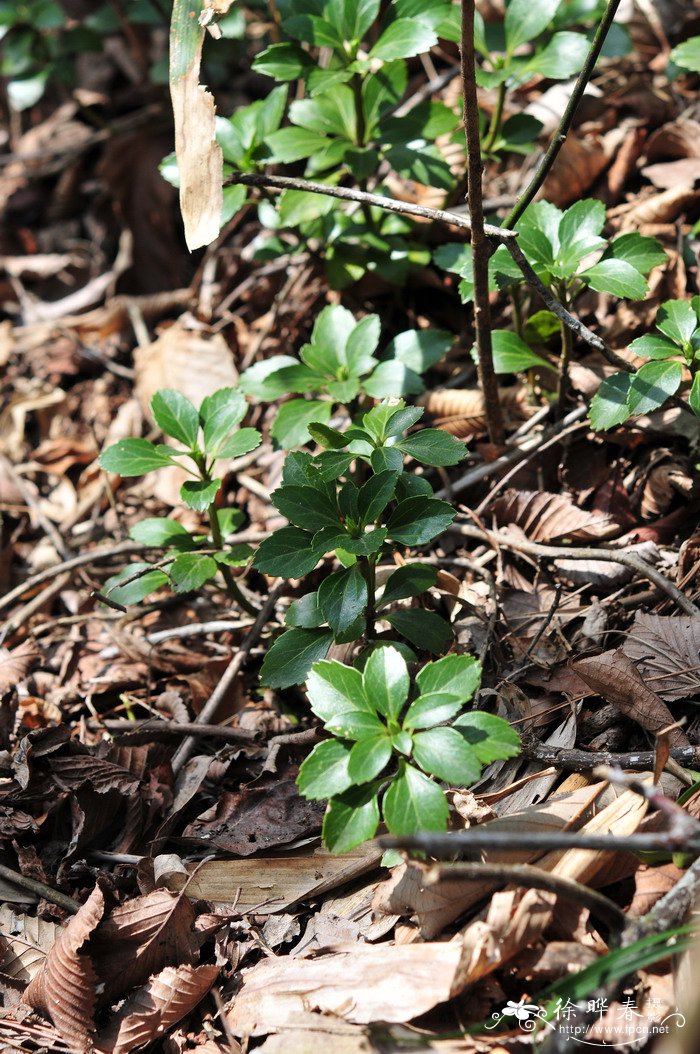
[
  {"x": 394, "y": 743},
  {"x": 341, "y": 365},
  {"x": 206, "y": 436},
  {"x": 356, "y": 500}
]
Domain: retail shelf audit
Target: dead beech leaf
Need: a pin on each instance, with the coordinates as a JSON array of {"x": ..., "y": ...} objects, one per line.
[
  {"x": 360, "y": 984},
  {"x": 576, "y": 169},
  {"x": 607, "y": 573},
  {"x": 659, "y": 208},
  {"x": 462, "y": 411},
  {"x": 652, "y": 883},
  {"x": 141, "y": 937},
  {"x": 616, "y": 679},
  {"x": 65, "y": 987},
  {"x": 24, "y": 943},
  {"x": 16, "y": 664},
  {"x": 199, "y": 158},
  {"x": 545, "y": 517},
  {"x": 666, "y": 651},
  {"x": 167, "y": 362},
  {"x": 663, "y": 483},
  {"x": 156, "y": 1007}
]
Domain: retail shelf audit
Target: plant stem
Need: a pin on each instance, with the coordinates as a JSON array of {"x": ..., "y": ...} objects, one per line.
[
  {"x": 559, "y": 137},
  {"x": 232, "y": 586},
  {"x": 367, "y": 567},
  {"x": 496, "y": 117},
  {"x": 481, "y": 250},
  {"x": 567, "y": 343}
]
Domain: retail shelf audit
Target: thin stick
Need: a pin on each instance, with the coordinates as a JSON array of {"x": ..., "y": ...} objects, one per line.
[
  {"x": 559, "y": 137},
  {"x": 233, "y": 669},
  {"x": 477, "y": 838},
  {"x": 481, "y": 250},
  {"x": 535, "y": 878},
  {"x": 176, "y": 728},
  {"x": 586, "y": 760},
  {"x": 362, "y": 197},
  {"x": 40, "y": 889},
  {"x": 572, "y": 552}
]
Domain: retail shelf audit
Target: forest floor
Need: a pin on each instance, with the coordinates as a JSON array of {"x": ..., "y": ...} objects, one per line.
[{"x": 194, "y": 857}]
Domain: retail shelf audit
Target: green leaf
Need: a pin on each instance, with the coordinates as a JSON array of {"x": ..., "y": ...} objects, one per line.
[
  {"x": 694, "y": 395},
  {"x": 419, "y": 349},
  {"x": 368, "y": 757},
  {"x": 334, "y": 688},
  {"x": 159, "y": 530},
  {"x": 306, "y": 507},
  {"x": 392, "y": 379},
  {"x": 443, "y": 752},
  {"x": 416, "y": 521},
  {"x": 687, "y": 54},
  {"x": 134, "y": 592},
  {"x": 284, "y": 62},
  {"x": 292, "y": 144},
  {"x": 361, "y": 344},
  {"x": 313, "y": 30},
  {"x": 385, "y": 681},
  {"x": 649, "y": 346},
  {"x": 408, "y": 581},
  {"x": 641, "y": 252},
  {"x": 375, "y": 495},
  {"x": 189, "y": 571},
  {"x": 432, "y": 446},
  {"x": 325, "y": 771},
  {"x": 424, "y": 629},
  {"x": 351, "y": 819},
  {"x": 287, "y": 553},
  {"x": 240, "y": 443},
  {"x": 134, "y": 457},
  {"x": 332, "y": 113},
  {"x": 305, "y": 612},
  {"x": 526, "y": 20},
  {"x": 678, "y": 320},
  {"x": 490, "y": 737},
  {"x": 235, "y": 555},
  {"x": 402, "y": 39},
  {"x": 199, "y": 494},
  {"x": 292, "y": 655},
  {"x": 609, "y": 404},
  {"x": 400, "y": 420},
  {"x": 652, "y": 384},
  {"x": 176, "y": 416},
  {"x": 512, "y": 355},
  {"x": 220, "y": 414},
  {"x": 561, "y": 57},
  {"x": 355, "y": 724},
  {"x": 458, "y": 675},
  {"x": 229, "y": 520},
  {"x": 328, "y": 437},
  {"x": 431, "y": 709},
  {"x": 342, "y": 598},
  {"x": 414, "y": 803},
  {"x": 386, "y": 458},
  {"x": 617, "y": 277},
  {"x": 260, "y": 380},
  {"x": 290, "y": 427}
]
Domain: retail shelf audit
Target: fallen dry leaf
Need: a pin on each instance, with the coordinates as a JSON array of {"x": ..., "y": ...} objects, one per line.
[
  {"x": 616, "y": 679},
  {"x": 666, "y": 652},
  {"x": 547, "y": 517}
]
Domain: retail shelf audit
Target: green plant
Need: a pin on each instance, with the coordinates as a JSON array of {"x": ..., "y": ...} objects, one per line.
[
  {"x": 673, "y": 349},
  {"x": 359, "y": 518},
  {"x": 191, "y": 561},
  {"x": 388, "y": 751},
  {"x": 687, "y": 55},
  {"x": 340, "y": 366}
]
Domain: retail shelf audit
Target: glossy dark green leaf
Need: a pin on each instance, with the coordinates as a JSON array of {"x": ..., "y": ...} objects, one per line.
[
  {"x": 490, "y": 737},
  {"x": 356, "y": 725},
  {"x": 176, "y": 416},
  {"x": 524, "y": 20},
  {"x": 306, "y": 507},
  {"x": 159, "y": 530},
  {"x": 199, "y": 494},
  {"x": 641, "y": 252},
  {"x": 375, "y": 495},
  {"x": 190, "y": 571},
  {"x": 134, "y": 457},
  {"x": 351, "y": 818},
  {"x": 240, "y": 443},
  {"x": 512, "y": 355},
  {"x": 652, "y": 384},
  {"x": 305, "y": 612},
  {"x": 134, "y": 592},
  {"x": 402, "y": 39},
  {"x": 408, "y": 581},
  {"x": 220, "y": 414},
  {"x": 617, "y": 277},
  {"x": 342, "y": 598},
  {"x": 414, "y": 803},
  {"x": 334, "y": 688},
  {"x": 287, "y": 553},
  {"x": 385, "y": 681},
  {"x": 459, "y": 675},
  {"x": 290, "y": 427},
  {"x": 416, "y": 521},
  {"x": 368, "y": 758},
  {"x": 431, "y": 709},
  {"x": 424, "y": 629},
  {"x": 650, "y": 346},
  {"x": 325, "y": 771},
  {"x": 292, "y": 655},
  {"x": 677, "y": 320},
  {"x": 444, "y": 753},
  {"x": 432, "y": 446},
  {"x": 609, "y": 404}
]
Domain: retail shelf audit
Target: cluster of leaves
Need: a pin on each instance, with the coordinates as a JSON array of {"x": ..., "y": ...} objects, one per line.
[
  {"x": 673, "y": 352},
  {"x": 187, "y": 567},
  {"x": 387, "y": 750},
  {"x": 359, "y": 520},
  {"x": 560, "y": 246},
  {"x": 339, "y": 365}
]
